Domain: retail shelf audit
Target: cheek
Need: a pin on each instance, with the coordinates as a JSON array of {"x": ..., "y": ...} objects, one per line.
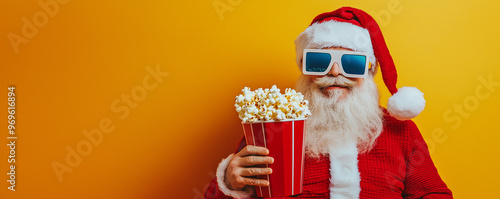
[
  {"x": 360, "y": 81},
  {"x": 313, "y": 78}
]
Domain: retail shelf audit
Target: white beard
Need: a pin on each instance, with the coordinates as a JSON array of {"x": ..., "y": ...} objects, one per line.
[{"x": 356, "y": 117}]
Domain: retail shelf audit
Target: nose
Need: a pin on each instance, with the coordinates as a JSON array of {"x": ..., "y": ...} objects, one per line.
[{"x": 335, "y": 71}]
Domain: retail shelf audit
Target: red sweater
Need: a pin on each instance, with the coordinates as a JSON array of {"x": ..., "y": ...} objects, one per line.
[{"x": 399, "y": 166}]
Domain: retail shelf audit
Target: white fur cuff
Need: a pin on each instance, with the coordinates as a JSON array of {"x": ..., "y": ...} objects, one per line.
[{"x": 221, "y": 174}]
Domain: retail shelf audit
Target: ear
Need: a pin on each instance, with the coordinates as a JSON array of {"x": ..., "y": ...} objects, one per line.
[{"x": 373, "y": 68}]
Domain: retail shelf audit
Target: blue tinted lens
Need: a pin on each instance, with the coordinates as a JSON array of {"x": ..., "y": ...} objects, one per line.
[
  {"x": 354, "y": 64},
  {"x": 317, "y": 62}
]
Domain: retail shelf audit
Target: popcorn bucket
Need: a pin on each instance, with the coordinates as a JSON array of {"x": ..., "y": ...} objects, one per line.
[{"x": 285, "y": 141}]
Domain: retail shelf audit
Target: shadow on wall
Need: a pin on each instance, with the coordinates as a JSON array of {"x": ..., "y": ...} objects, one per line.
[{"x": 189, "y": 180}]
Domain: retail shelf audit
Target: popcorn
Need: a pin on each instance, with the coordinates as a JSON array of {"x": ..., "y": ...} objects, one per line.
[{"x": 271, "y": 105}]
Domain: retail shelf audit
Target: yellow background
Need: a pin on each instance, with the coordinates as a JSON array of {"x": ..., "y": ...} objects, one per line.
[{"x": 90, "y": 53}]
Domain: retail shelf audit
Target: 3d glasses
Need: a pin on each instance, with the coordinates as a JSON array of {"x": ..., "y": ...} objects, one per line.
[{"x": 320, "y": 62}]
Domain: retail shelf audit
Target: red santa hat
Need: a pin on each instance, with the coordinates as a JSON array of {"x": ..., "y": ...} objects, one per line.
[{"x": 355, "y": 29}]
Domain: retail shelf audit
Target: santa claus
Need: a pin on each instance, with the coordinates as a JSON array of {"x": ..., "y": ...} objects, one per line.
[{"x": 354, "y": 147}]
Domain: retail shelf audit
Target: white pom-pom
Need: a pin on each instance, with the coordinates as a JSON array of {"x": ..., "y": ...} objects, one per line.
[{"x": 406, "y": 104}]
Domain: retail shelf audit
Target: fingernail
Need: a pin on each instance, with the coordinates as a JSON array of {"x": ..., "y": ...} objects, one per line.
[{"x": 272, "y": 160}]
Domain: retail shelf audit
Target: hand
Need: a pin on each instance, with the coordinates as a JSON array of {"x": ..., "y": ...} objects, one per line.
[{"x": 243, "y": 166}]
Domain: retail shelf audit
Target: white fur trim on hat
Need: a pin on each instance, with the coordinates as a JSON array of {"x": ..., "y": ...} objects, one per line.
[
  {"x": 221, "y": 173},
  {"x": 406, "y": 104},
  {"x": 333, "y": 33}
]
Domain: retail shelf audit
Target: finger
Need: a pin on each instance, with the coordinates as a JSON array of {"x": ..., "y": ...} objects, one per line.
[
  {"x": 255, "y": 171},
  {"x": 253, "y": 150},
  {"x": 253, "y": 181},
  {"x": 255, "y": 160}
]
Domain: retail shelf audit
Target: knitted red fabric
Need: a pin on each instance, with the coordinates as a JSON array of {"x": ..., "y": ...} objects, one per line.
[{"x": 399, "y": 166}]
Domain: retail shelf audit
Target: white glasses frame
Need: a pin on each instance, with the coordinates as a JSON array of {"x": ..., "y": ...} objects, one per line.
[{"x": 336, "y": 58}]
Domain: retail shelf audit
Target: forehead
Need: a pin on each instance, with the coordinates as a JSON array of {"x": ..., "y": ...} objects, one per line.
[{"x": 337, "y": 48}]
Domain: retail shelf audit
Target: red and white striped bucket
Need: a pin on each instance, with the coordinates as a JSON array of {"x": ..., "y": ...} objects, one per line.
[{"x": 285, "y": 141}]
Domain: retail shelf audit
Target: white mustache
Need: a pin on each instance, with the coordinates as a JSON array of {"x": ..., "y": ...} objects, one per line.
[{"x": 341, "y": 81}]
